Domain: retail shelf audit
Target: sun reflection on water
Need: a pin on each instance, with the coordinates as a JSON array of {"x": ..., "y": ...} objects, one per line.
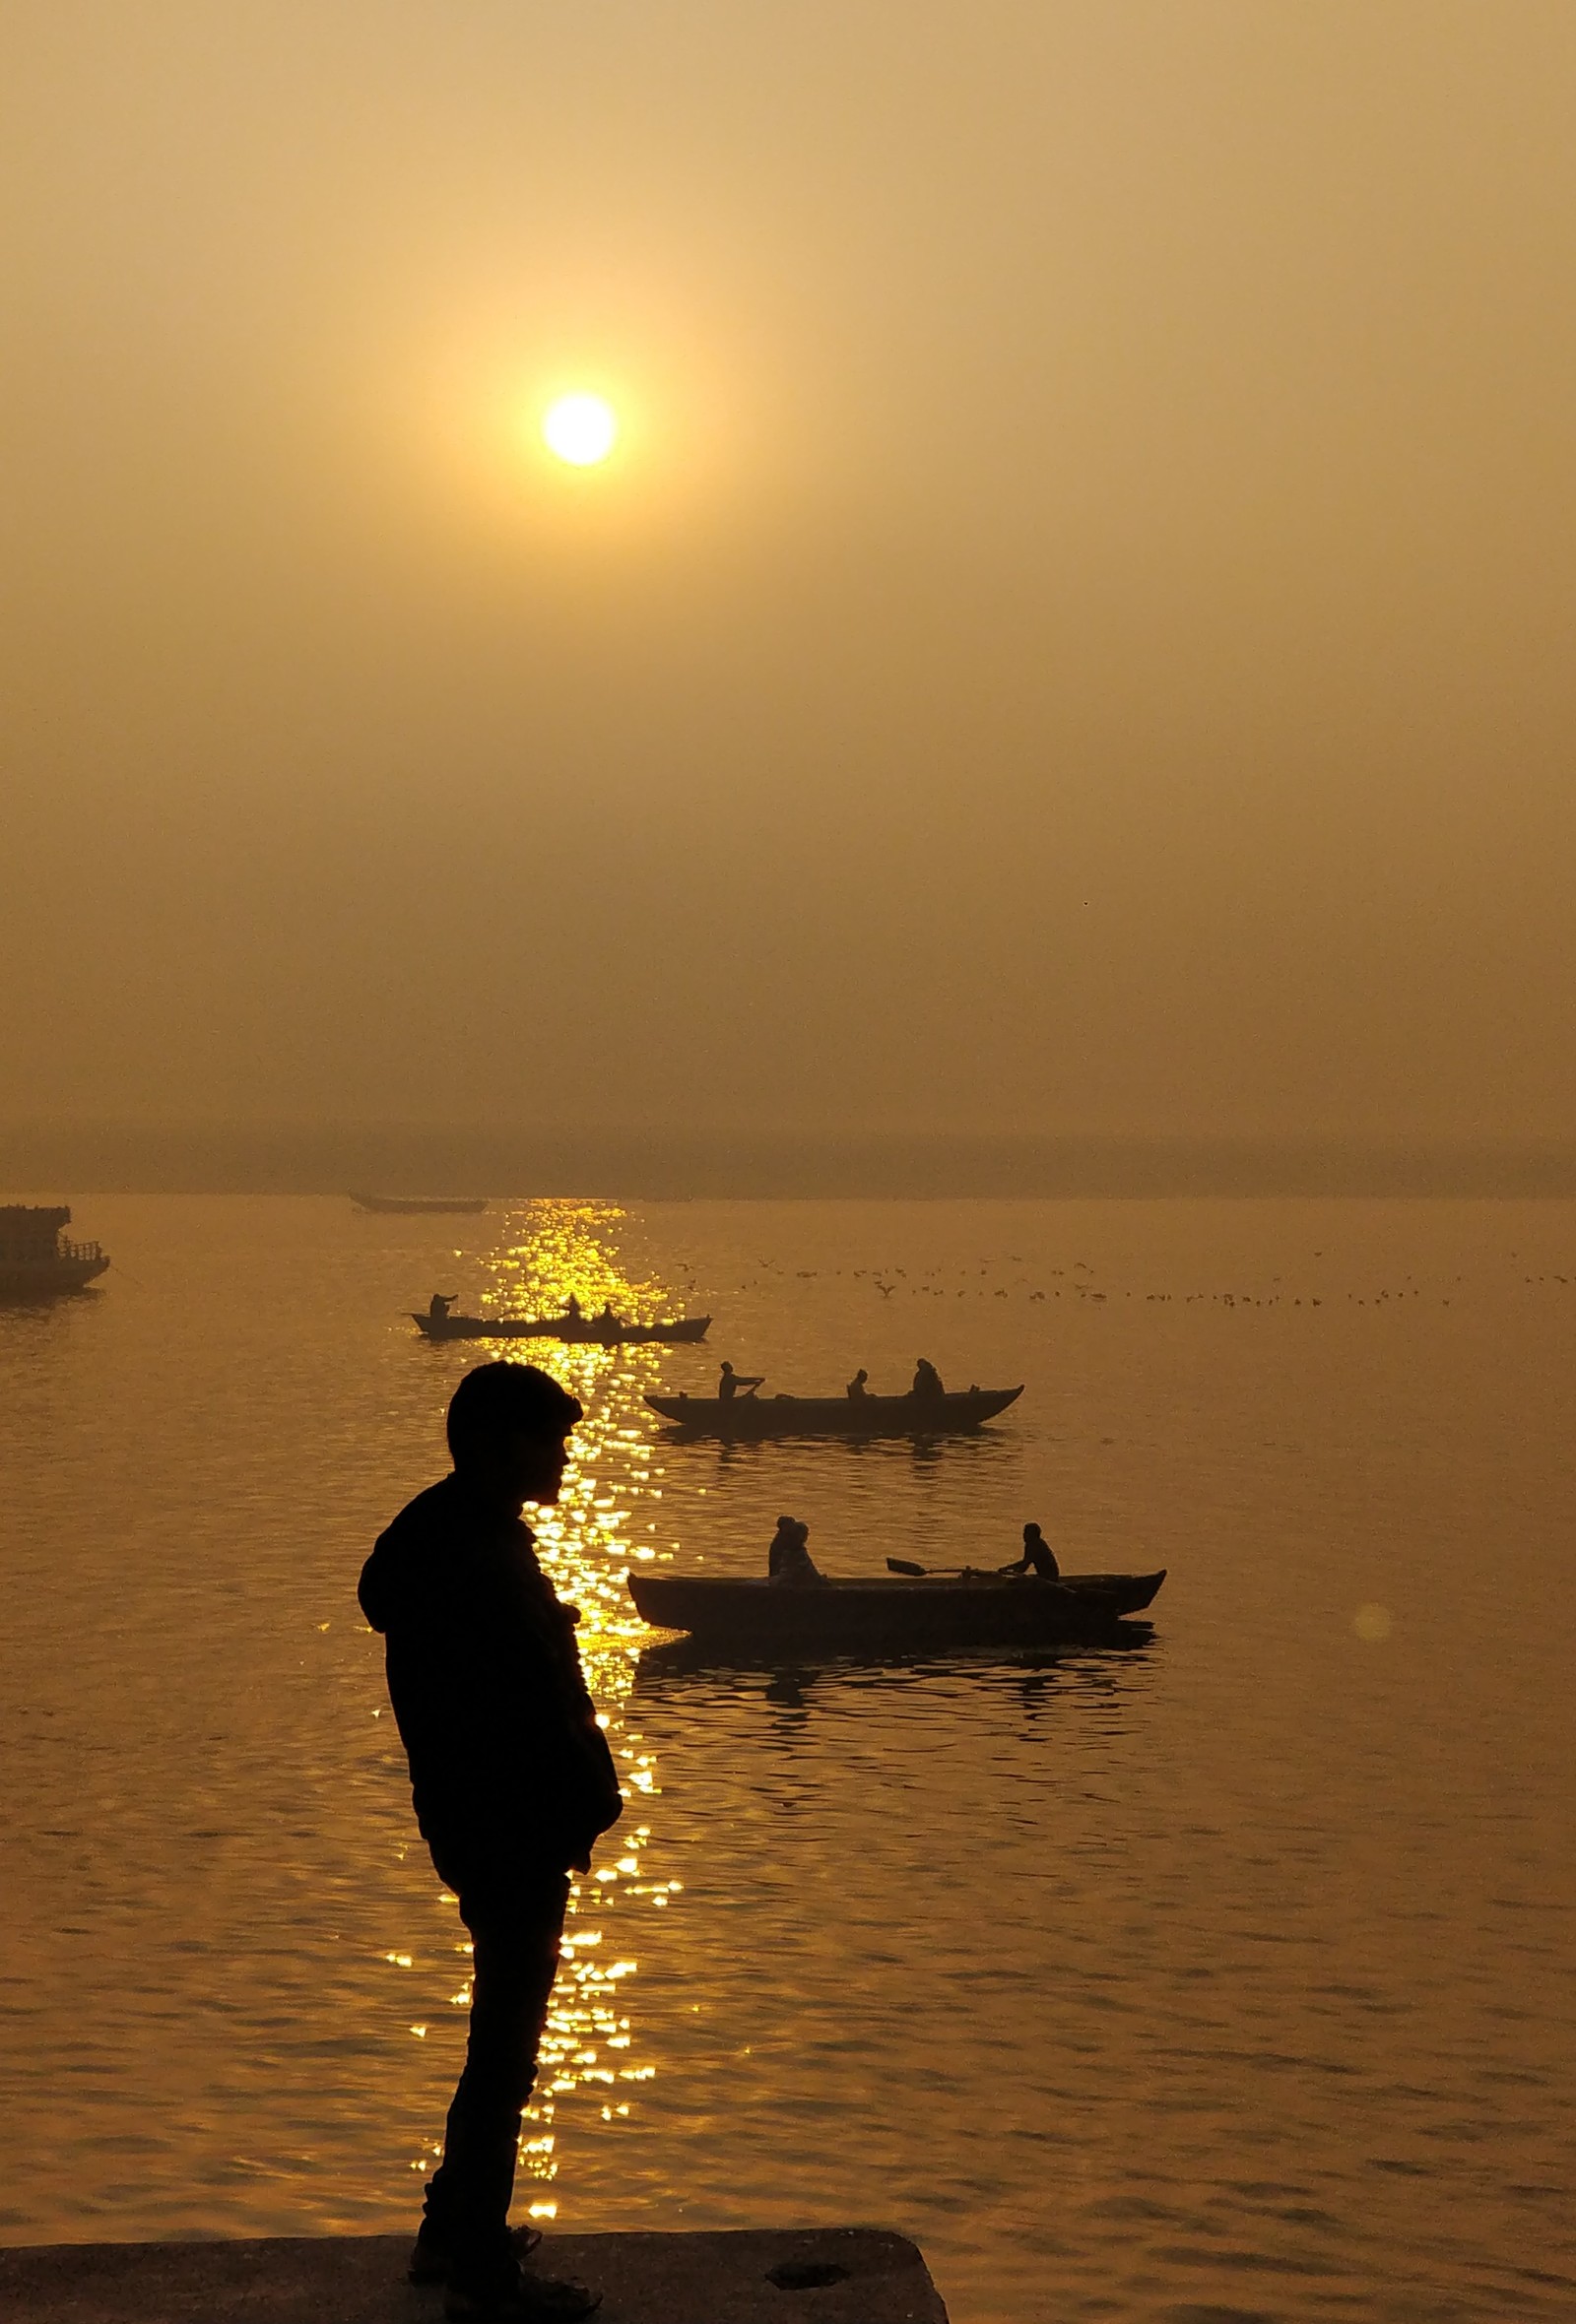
[{"x": 606, "y": 1518}]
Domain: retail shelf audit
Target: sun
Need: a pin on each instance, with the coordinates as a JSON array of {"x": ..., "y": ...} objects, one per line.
[{"x": 580, "y": 428}]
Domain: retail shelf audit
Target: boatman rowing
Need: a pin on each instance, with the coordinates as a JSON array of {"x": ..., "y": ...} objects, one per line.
[
  {"x": 1038, "y": 1557},
  {"x": 733, "y": 1384}
]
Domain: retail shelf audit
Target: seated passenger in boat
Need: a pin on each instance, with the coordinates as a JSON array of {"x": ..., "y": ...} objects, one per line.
[
  {"x": 1038, "y": 1557},
  {"x": 856, "y": 1386},
  {"x": 733, "y": 1384},
  {"x": 608, "y": 1321},
  {"x": 571, "y": 1308},
  {"x": 438, "y": 1306},
  {"x": 788, "y": 1560},
  {"x": 927, "y": 1380}
]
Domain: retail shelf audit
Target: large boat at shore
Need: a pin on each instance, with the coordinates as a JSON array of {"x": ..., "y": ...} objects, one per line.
[
  {"x": 884, "y": 1615},
  {"x": 38, "y": 1259}
]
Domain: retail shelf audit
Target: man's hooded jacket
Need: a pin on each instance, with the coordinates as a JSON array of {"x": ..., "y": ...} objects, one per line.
[{"x": 509, "y": 1770}]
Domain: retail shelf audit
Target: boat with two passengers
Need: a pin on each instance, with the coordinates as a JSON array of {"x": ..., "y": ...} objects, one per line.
[
  {"x": 886, "y": 1615},
  {"x": 749, "y": 1417},
  {"x": 584, "y": 1331},
  {"x": 38, "y": 1259}
]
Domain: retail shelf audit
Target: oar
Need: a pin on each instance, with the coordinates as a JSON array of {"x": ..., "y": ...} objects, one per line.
[
  {"x": 907, "y": 1566},
  {"x": 938, "y": 1573}
]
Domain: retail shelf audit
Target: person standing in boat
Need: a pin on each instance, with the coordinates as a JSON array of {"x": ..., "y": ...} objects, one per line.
[
  {"x": 438, "y": 1306},
  {"x": 731, "y": 1384},
  {"x": 856, "y": 1390},
  {"x": 788, "y": 1560},
  {"x": 927, "y": 1380},
  {"x": 1038, "y": 1557},
  {"x": 512, "y": 1782}
]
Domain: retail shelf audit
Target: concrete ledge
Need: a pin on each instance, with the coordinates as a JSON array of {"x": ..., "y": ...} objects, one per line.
[{"x": 646, "y": 2279}]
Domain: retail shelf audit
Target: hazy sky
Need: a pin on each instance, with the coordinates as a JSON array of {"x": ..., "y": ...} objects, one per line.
[{"x": 1077, "y": 634}]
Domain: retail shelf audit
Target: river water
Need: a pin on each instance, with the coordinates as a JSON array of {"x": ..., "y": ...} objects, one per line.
[{"x": 1226, "y": 1978}]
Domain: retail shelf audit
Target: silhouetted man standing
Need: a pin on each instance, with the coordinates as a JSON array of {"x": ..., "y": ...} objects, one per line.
[{"x": 512, "y": 1782}]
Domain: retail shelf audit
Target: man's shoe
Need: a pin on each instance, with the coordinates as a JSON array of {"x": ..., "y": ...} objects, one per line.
[
  {"x": 432, "y": 2255},
  {"x": 517, "y": 2295}
]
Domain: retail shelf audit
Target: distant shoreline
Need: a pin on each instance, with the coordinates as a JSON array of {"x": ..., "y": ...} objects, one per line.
[{"x": 81, "y": 1159}]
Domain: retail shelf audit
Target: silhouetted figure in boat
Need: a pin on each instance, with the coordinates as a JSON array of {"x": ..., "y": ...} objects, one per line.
[
  {"x": 512, "y": 1782},
  {"x": 733, "y": 1384},
  {"x": 856, "y": 1386},
  {"x": 927, "y": 1380},
  {"x": 788, "y": 1560},
  {"x": 438, "y": 1306},
  {"x": 571, "y": 1308},
  {"x": 1038, "y": 1557},
  {"x": 607, "y": 1321}
]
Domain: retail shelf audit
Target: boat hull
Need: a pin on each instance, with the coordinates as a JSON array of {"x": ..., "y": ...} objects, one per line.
[
  {"x": 879, "y": 1616},
  {"x": 747, "y": 1418},
  {"x": 582, "y": 1331},
  {"x": 47, "y": 1278}
]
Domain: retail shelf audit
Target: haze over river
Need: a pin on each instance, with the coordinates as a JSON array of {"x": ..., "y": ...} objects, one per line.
[{"x": 1228, "y": 1979}]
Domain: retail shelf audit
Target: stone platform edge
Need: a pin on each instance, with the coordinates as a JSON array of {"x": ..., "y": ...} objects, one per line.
[{"x": 733, "y": 2276}]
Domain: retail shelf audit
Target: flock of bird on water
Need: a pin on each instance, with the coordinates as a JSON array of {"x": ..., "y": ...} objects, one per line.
[
  {"x": 1026, "y": 1597},
  {"x": 1029, "y": 1597}
]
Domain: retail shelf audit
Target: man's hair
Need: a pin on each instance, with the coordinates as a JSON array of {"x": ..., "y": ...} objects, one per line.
[{"x": 502, "y": 1396}]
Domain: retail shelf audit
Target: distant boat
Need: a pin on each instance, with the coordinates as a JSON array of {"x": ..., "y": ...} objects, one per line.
[
  {"x": 881, "y": 1615},
  {"x": 592, "y": 1330},
  {"x": 835, "y": 1416},
  {"x": 37, "y": 1258},
  {"x": 422, "y": 1206}
]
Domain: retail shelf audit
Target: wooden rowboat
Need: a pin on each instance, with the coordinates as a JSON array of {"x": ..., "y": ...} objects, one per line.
[
  {"x": 749, "y": 1417},
  {"x": 886, "y": 1616},
  {"x": 588, "y": 1331}
]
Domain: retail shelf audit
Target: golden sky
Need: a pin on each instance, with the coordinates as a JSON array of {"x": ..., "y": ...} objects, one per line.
[{"x": 1075, "y": 633}]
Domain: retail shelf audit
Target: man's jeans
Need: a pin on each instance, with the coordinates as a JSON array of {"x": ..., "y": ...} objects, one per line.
[{"x": 515, "y": 1916}]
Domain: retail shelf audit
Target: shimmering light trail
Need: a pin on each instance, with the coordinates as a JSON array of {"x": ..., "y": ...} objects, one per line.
[{"x": 549, "y": 1251}]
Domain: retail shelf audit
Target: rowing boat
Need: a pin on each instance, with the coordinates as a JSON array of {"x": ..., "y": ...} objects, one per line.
[
  {"x": 892, "y": 1616},
  {"x": 835, "y": 1416},
  {"x": 591, "y": 1330}
]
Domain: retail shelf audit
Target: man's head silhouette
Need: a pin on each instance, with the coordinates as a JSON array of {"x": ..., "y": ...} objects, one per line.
[{"x": 508, "y": 1428}]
